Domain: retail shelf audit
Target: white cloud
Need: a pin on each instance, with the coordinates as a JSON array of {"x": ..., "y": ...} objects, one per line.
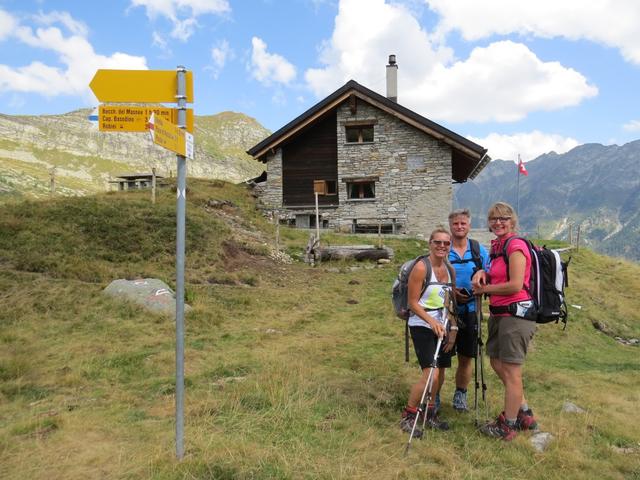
[
  {"x": 159, "y": 41},
  {"x": 614, "y": 23},
  {"x": 632, "y": 126},
  {"x": 74, "y": 26},
  {"x": 74, "y": 52},
  {"x": 279, "y": 98},
  {"x": 503, "y": 81},
  {"x": 364, "y": 35},
  {"x": 269, "y": 68},
  {"x": 8, "y": 24},
  {"x": 528, "y": 145},
  {"x": 182, "y": 13},
  {"x": 183, "y": 29},
  {"x": 220, "y": 54}
]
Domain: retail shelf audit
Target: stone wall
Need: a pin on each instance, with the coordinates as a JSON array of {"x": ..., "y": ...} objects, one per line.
[
  {"x": 271, "y": 194},
  {"x": 412, "y": 173}
]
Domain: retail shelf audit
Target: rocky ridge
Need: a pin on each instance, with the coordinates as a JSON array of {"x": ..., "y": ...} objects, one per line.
[{"x": 85, "y": 160}]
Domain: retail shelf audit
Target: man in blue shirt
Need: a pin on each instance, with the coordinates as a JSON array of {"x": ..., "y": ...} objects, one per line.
[{"x": 467, "y": 256}]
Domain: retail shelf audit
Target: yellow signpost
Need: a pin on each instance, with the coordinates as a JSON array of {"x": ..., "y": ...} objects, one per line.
[
  {"x": 157, "y": 86},
  {"x": 168, "y": 135},
  {"x": 132, "y": 118},
  {"x": 139, "y": 86}
]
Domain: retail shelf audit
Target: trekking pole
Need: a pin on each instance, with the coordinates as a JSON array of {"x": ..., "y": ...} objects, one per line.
[
  {"x": 427, "y": 392},
  {"x": 480, "y": 353},
  {"x": 475, "y": 367}
]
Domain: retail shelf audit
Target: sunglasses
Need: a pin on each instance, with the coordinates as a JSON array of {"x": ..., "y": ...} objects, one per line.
[
  {"x": 499, "y": 219},
  {"x": 441, "y": 243}
]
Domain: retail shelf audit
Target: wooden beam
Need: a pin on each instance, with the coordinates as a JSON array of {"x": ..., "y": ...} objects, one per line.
[{"x": 353, "y": 104}]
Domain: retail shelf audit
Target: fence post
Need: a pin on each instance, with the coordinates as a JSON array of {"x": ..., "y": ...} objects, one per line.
[
  {"x": 52, "y": 182},
  {"x": 571, "y": 234},
  {"x": 277, "y": 219},
  {"x": 153, "y": 185}
]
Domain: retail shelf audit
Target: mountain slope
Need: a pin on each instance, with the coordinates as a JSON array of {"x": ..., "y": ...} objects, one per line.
[
  {"x": 85, "y": 159},
  {"x": 593, "y": 186}
]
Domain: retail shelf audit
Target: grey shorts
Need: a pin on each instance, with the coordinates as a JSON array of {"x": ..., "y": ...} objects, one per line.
[{"x": 509, "y": 338}]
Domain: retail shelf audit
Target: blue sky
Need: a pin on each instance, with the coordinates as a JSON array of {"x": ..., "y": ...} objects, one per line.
[{"x": 518, "y": 77}]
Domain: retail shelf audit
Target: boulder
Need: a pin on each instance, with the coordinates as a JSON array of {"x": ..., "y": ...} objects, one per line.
[
  {"x": 572, "y": 408},
  {"x": 541, "y": 441},
  {"x": 150, "y": 293}
]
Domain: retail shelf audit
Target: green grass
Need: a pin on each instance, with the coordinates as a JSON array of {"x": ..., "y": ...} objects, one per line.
[{"x": 291, "y": 371}]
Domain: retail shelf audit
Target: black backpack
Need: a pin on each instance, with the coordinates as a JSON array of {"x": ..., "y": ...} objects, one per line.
[
  {"x": 400, "y": 291},
  {"x": 549, "y": 275}
]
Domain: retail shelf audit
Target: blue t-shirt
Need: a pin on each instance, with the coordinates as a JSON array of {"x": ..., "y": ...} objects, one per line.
[{"x": 465, "y": 270}]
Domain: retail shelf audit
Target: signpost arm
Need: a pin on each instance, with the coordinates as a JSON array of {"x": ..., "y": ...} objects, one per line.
[{"x": 180, "y": 261}]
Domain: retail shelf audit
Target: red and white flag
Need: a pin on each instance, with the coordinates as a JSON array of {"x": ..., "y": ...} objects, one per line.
[{"x": 521, "y": 167}]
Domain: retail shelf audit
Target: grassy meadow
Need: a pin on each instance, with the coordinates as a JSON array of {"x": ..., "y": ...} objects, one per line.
[{"x": 292, "y": 371}]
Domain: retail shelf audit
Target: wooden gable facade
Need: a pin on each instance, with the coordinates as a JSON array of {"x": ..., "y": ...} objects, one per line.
[{"x": 310, "y": 156}]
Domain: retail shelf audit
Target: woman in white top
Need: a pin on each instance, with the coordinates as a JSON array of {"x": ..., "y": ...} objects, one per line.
[{"x": 426, "y": 324}]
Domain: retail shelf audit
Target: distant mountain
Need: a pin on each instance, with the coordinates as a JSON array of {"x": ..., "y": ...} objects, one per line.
[
  {"x": 85, "y": 159},
  {"x": 592, "y": 186}
]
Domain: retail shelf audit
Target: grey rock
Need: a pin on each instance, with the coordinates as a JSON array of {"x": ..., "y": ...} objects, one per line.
[
  {"x": 572, "y": 408},
  {"x": 150, "y": 293},
  {"x": 541, "y": 441},
  {"x": 625, "y": 450}
]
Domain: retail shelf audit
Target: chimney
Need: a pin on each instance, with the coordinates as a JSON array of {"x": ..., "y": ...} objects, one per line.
[{"x": 392, "y": 79}]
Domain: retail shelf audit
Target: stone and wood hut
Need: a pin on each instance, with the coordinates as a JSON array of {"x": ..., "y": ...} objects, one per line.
[{"x": 379, "y": 164}]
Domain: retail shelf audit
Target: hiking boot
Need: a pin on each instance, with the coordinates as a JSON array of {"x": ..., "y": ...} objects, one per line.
[
  {"x": 433, "y": 421},
  {"x": 460, "y": 401},
  {"x": 499, "y": 429},
  {"x": 525, "y": 420},
  {"x": 407, "y": 421}
]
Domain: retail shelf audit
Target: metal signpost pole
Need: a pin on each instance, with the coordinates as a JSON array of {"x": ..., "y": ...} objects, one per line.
[{"x": 180, "y": 254}]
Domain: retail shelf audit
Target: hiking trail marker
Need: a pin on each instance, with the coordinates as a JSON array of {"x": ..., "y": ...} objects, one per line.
[
  {"x": 170, "y": 136},
  {"x": 139, "y": 86},
  {"x": 132, "y": 118},
  {"x": 157, "y": 86}
]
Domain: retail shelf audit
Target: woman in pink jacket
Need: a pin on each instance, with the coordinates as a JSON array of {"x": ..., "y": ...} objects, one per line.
[{"x": 510, "y": 329}]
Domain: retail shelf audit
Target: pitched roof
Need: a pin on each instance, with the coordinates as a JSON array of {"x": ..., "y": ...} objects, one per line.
[{"x": 468, "y": 160}]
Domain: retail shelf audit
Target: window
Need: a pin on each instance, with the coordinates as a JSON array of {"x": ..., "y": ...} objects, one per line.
[
  {"x": 360, "y": 190},
  {"x": 359, "y": 133},
  {"x": 332, "y": 187}
]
